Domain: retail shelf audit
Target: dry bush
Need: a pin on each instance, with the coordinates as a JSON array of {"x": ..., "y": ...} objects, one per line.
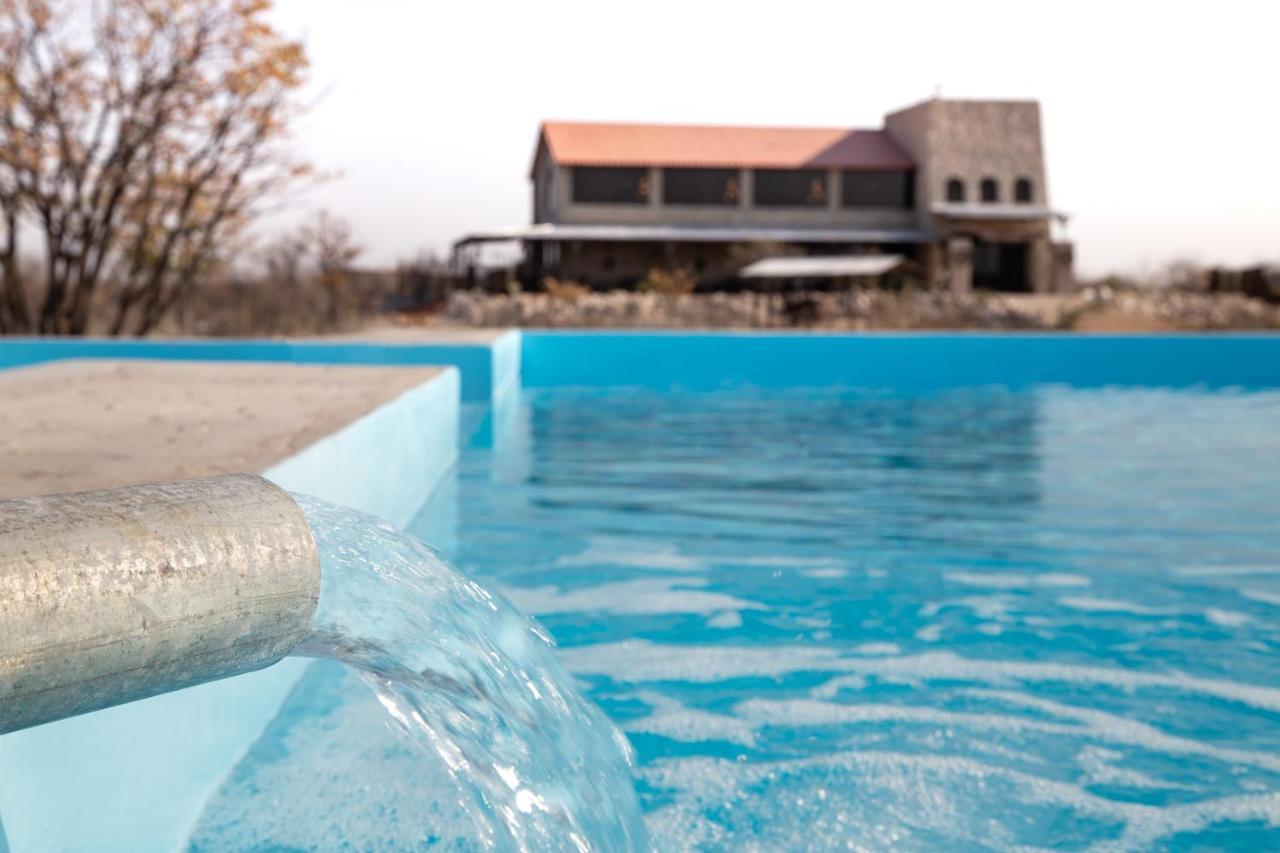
[
  {"x": 676, "y": 282},
  {"x": 568, "y": 291}
]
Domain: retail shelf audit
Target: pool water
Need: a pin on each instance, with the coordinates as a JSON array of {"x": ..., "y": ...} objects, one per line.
[{"x": 971, "y": 618}]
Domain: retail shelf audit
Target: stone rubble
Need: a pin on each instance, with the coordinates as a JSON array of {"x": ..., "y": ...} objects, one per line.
[{"x": 857, "y": 309}]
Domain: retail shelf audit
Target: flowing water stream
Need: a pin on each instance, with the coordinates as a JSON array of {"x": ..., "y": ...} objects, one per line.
[{"x": 476, "y": 685}]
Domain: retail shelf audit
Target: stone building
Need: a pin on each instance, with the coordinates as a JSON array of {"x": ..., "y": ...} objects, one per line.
[{"x": 950, "y": 192}]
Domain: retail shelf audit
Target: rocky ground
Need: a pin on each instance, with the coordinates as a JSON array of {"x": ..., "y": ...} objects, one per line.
[{"x": 1090, "y": 309}]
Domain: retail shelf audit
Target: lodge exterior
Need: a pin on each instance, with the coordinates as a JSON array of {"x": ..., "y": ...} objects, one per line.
[{"x": 950, "y": 192}]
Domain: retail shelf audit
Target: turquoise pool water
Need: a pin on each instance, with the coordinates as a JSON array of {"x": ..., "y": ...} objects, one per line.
[
  {"x": 967, "y": 618},
  {"x": 981, "y": 611}
]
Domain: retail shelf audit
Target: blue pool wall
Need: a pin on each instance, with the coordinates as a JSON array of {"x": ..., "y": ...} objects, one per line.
[
  {"x": 909, "y": 362},
  {"x": 136, "y": 777}
]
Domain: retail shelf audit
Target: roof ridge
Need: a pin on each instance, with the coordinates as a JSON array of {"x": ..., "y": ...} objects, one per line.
[
  {"x": 721, "y": 146},
  {"x": 708, "y": 126}
]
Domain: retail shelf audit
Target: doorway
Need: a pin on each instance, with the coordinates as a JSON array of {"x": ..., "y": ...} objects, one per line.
[{"x": 1000, "y": 266}]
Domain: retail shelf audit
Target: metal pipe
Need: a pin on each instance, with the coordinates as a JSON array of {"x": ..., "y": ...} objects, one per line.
[{"x": 116, "y": 595}]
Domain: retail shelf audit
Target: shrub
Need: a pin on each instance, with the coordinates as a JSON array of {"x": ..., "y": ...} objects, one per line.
[
  {"x": 676, "y": 282},
  {"x": 569, "y": 291}
]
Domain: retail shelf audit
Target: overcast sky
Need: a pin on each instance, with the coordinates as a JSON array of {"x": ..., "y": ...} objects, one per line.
[{"x": 1162, "y": 124}]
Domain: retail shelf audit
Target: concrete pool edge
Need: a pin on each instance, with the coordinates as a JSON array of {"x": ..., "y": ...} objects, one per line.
[
  {"x": 485, "y": 366},
  {"x": 182, "y": 744}
]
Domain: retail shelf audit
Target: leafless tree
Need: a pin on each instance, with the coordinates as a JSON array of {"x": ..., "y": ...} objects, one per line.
[
  {"x": 137, "y": 140},
  {"x": 330, "y": 241}
]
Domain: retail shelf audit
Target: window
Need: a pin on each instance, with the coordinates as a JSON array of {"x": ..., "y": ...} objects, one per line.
[
  {"x": 955, "y": 190},
  {"x": 610, "y": 186},
  {"x": 990, "y": 190},
  {"x": 700, "y": 186},
  {"x": 791, "y": 188},
  {"x": 1023, "y": 192},
  {"x": 877, "y": 189}
]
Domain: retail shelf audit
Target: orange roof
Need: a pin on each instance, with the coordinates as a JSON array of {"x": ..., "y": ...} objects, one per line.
[{"x": 595, "y": 144}]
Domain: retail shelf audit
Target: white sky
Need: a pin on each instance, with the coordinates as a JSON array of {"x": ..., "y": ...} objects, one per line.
[{"x": 1162, "y": 120}]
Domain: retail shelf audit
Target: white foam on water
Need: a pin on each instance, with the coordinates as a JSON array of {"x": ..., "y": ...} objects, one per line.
[
  {"x": 825, "y": 573},
  {"x": 1262, "y": 595},
  {"x": 1100, "y": 766},
  {"x": 725, "y": 619},
  {"x": 645, "y": 596},
  {"x": 673, "y": 720},
  {"x": 877, "y": 649},
  {"x": 639, "y": 661},
  {"x": 929, "y": 634},
  {"x": 1105, "y": 605},
  {"x": 628, "y": 553},
  {"x": 1084, "y": 723},
  {"x": 1014, "y": 580},
  {"x": 780, "y": 562},
  {"x": 880, "y": 800},
  {"x": 1227, "y": 571},
  {"x": 1146, "y": 825},
  {"x": 1227, "y": 618},
  {"x": 994, "y": 607},
  {"x": 948, "y": 666}
]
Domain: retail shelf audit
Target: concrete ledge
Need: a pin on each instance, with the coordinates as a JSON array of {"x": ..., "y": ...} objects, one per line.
[
  {"x": 76, "y": 425},
  {"x": 473, "y": 355},
  {"x": 136, "y": 777}
]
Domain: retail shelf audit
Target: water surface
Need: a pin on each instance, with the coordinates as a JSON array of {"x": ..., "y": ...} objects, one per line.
[{"x": 979, "y": 618}]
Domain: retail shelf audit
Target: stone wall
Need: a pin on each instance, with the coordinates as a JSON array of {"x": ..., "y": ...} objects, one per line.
[
  {"x": 1095, "y": 308},
  {"x": 972, "y": 140}
]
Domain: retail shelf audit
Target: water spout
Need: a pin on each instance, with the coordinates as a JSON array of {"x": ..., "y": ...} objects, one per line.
[{"x": 116, "y": 595}]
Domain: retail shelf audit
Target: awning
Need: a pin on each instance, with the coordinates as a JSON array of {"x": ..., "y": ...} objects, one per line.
[
  {"x": 1002, "y": 212},
  {"x": 833, "y": 266},
  {"x": 691, "y": 234}
]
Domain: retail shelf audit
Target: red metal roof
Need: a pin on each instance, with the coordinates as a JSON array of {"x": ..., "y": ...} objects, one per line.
[{"x": 693, "y": 146}]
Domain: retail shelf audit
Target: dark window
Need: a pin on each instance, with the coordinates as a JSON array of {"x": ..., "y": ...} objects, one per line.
[
  {"x": 611, "y": 186},
  {"x": 791, "y": 188},
  {"x": 1022, "y": 191},
  {"x": 700, "y": 186},
  {"x": 990, "y": 190},
  {"x": 955, "y": 190},
  {"x": 877, "y": 189}
]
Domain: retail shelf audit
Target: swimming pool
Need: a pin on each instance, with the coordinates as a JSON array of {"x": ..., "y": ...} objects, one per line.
[
  {"x": 912, "y": 592},
  {"x": 974, "y": 617}
]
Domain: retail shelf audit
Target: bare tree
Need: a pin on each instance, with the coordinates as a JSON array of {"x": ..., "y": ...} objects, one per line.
[
  {"x": 334, "y": 249},
  {"x": 285, "y": 260},
  {"x": 137, "y": 139}
]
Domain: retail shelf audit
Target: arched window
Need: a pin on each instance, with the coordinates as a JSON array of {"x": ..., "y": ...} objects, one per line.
[
  {"x": 955, "y": 190},
  {"x": 1022, "y": 191},
  {"x": 990, "y": 190}
]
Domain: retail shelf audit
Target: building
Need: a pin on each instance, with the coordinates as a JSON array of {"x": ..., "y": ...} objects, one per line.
[{"x": 950, "y": 192}]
